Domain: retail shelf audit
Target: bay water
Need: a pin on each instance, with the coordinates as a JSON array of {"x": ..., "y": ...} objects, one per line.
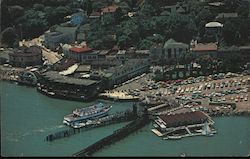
[{"x": 27, "y": 117}]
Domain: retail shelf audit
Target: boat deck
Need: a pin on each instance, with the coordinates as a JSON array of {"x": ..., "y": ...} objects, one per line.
[{"x": 158, "y": 133}]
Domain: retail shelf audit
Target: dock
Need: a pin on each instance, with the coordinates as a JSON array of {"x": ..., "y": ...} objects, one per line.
[
  {"x": 116, "y": 136},
  {"x": 119, "y": 117}
]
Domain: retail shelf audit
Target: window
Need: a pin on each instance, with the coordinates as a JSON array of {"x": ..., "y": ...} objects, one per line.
[
  {"x": 169, "y": 53},
  {"x": 174, "y": 52},
  {"x": 180, "y": 50}
]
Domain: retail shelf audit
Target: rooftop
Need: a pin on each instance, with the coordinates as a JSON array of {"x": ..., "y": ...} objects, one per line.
[
  {"x": 80, "y": 49},
  {"x": 184, "y": 119},
  {"x": 205, "y": 47},
  {"x": 227, "y": 15},
  {"x": 109, "y": 9},
  {"x": 213, "y": 24},
  {"x": 173, "y": 43},
  {"x": 56, "y": 77}
]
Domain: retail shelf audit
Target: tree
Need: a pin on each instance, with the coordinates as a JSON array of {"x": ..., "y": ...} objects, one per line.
[
  {"x": 38, "y": 7},
  {"x": 128, "y": 33},
  {"x": 8, "y": 36},
  {"x": 180, "y": 27},
  {"x": 33, "y": 23}
]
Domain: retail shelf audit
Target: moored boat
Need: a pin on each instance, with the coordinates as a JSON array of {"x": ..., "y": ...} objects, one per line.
[{"x": 84, "y": 114}]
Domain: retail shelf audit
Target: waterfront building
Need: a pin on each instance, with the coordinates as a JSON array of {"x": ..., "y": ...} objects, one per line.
[
  {"x": 119, "y": 74},
  {"x": 24, "y": 56},
  {"x": 176, "y": 126},
  {"x": 59, "y": 86}
]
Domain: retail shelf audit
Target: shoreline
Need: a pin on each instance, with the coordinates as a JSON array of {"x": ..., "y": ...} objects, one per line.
[{"x": 245, "y": 113}]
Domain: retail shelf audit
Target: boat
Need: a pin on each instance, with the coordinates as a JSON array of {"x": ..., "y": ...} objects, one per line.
[
  {"x": 174, "y": 137},
  {"x": 183, "y": 154},
  {"x": 85, "y": 114}
]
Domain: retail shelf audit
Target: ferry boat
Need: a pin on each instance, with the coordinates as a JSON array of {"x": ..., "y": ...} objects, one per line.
[{"x": 88, "y": 113}]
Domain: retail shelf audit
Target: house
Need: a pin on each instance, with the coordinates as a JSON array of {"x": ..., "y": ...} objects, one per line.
[
  {"x": 201, "y": 49},
  {"x": 95, "y": 15},
  {"x": 108, "y": 11},
  {"x": 78, "y": 18},
  {"x": 178, "y": 7},
  {"x": 223, "y": 16},
  {"x": 26, "y": 56}
]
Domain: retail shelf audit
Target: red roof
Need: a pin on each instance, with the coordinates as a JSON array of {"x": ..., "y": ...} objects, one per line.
[
  {"x": 80, "y": 50},
  {"x": 184, "y": 119},
  {"x": 95, "y": 14},
  {"x": 205, "y": 47},
  {"x": 109, "y": 9}
]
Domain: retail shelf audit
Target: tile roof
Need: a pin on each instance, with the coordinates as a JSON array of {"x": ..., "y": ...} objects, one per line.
[
  {"x": 109, "y": 9},
  {"x": 205, "y": 47},
  {"x": 80, "y": 50}
]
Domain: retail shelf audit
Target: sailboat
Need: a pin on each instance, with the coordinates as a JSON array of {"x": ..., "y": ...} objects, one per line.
[{"x": 206, "y": 130}]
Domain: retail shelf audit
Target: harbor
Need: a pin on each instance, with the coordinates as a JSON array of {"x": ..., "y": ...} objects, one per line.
[
  {"x": 129, "y": 78},
  {"x": 31, "y": 142}
]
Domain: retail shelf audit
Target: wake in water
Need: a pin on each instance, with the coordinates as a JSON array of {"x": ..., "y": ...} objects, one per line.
[{"x": 49, "y": 128}]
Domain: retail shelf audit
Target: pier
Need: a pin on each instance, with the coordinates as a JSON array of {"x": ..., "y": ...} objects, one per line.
[
  {"x": 119, "y": 117},
  {"x": 116, "y": 136}
]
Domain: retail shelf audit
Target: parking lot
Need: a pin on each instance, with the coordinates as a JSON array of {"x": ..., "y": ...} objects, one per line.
[{"x": 222, "y": 88}]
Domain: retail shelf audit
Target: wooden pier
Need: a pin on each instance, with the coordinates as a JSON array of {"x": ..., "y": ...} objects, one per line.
[{"x": 116, "y": 136}]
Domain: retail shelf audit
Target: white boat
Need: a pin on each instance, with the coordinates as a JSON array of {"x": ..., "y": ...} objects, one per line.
[
  {"x": 84, "y": 114},
  {"x": 174, "y": 137}
]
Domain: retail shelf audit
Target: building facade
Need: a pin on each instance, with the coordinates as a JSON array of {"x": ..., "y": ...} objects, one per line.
[
  {"x": 25, "y": 56},
  {"x": 171, "y": 52},
  {"x": 132, "y": 68}
]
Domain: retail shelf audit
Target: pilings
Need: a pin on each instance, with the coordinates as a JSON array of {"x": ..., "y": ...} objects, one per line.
[{"x": 116, "y": 136}]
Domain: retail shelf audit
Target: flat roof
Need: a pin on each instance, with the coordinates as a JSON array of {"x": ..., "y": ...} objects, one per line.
[
  {"x": 56, "y": 77},
  {"x": 184, "y": 119}
]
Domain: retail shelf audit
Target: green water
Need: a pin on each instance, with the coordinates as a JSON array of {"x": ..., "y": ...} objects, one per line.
[{"x": 27, "y": 117}]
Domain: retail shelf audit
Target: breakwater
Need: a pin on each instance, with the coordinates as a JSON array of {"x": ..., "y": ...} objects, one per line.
[
  {"x": 116, "y": 136},
  {"x": 125, "y": 116}
]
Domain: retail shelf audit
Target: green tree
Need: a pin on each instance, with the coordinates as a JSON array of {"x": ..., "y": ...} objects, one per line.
[
  {"x": 33, "y": 23},
  {"x": 128, "y": 33},
  {"x": 8, "y": 36},
  {"x": 38, "y": 7}
]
